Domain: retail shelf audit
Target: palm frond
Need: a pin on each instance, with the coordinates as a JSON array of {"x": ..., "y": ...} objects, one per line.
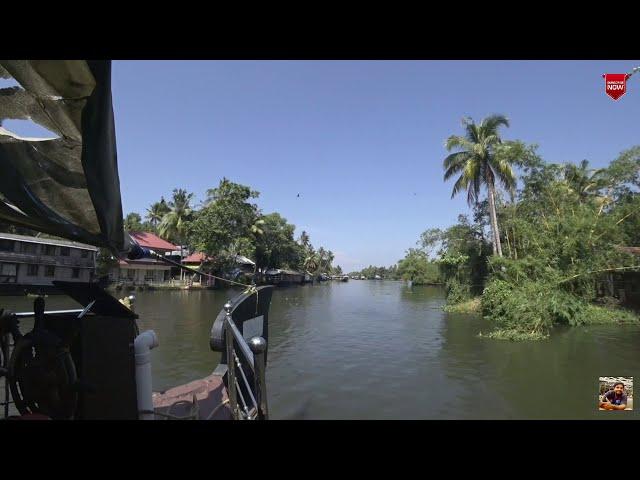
[
  {"x": 455, "y": 159},
  {"x": 491, "y": 123},
  {"x": 473, "y": 135},
  {"x": 456, "y": 141},
  {"x": 504, "y": 172},
  {"x": 461, "y": 184},
  {"x": 453, "y": 170}
]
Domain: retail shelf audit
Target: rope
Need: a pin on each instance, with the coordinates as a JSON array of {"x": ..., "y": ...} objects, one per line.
[
  {"x": 250, "y": 289},
  {"x": 599, "y": 271},
  {"x": 179, "y": 265}
]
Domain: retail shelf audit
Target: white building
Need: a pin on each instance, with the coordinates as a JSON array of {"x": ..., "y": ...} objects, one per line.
[
  {"x": 36, "y": 262},
  {"x": 146, "y": 270}
]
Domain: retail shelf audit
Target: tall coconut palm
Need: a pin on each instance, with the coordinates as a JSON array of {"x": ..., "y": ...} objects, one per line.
[
  {"x": 304, "y": 240},
  {"x": 156, "y": 211},
  {"x": 478, "y": 165},
  {"x": 172, "y": 226},
  {"x": 174, "y": 222},
  {"x": 311, "y": 263}
]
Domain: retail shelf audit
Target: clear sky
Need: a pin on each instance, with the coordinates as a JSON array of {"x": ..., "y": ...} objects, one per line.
[{"x": 362, "y": 142}]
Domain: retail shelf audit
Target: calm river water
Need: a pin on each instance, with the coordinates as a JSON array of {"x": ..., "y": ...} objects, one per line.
[{"x": 382, "y": 350}]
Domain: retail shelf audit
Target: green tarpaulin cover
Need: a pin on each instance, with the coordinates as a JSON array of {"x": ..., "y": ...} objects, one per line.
[{"x": 66, "y": 186}]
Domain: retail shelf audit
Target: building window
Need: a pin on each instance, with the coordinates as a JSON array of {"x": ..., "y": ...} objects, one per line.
[
  {"x": 75, "y": 273},
  {"x": 32, "y": 270},
  {"x": 28, "y": 247},
  {"x": 84, "y": 253},
  {"x": 49, "y": 271},
  {"x": 64, "y": 251},
  {"x": 49, "y": 250},
  {"x": 6, "y": 245},
  {"x": 8, "y": 269}
]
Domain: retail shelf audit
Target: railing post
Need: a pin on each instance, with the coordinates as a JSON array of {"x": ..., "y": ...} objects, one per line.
[
  {"x": 4, "y": 345},
  {"x": 258, "y": 346},
  {"x": 231, "y": 364}
]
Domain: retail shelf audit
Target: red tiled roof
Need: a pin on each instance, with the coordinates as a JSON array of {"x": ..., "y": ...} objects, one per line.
[
  {"x": 197, "y": 257},
  {"x": 154, "y": 242}
]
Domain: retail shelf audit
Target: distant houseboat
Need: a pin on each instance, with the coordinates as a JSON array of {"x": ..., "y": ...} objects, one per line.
[
  {"x": 31, "y": 264},
  {"x": 284, "y": 277}
]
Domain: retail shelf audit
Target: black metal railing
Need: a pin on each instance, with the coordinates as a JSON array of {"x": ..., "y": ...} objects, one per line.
[
  {"x": 241, "y": 334},
  {"x": 246, "y": 380}
]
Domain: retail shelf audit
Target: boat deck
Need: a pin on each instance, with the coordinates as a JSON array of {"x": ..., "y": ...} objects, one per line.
[{"x": 211, "y": 401}]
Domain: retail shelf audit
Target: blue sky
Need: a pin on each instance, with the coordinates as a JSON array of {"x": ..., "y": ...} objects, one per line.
[{"x": 356, "y": 139}]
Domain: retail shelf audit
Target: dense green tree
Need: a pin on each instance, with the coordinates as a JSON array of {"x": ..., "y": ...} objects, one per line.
[
  {"x": 227, "y": 217},
  {"x": 105, "y": 261},
  {"x": 133, "y": 222},
  {"x": 276, "y": 247},
  {"x": 417, "y": 267}
]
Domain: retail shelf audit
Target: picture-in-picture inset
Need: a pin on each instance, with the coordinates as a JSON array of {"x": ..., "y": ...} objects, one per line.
[{"x": 616, "y": 393}]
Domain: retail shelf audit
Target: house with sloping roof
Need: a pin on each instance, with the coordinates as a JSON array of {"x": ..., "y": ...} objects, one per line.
[
  {"x": 144, "y": 270},
  {"x": 195, "y": 262}
]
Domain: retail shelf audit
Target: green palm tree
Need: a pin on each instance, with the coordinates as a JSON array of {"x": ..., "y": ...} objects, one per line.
[
  {"x": 312, "y": 263},
  {"x": 478, "y": 165},
  {"x": 173, "y": 224},
  {"x": 304, "y": 239},
  {"x": 583, "y": 180},
  {"x": 156, "y": 211}
]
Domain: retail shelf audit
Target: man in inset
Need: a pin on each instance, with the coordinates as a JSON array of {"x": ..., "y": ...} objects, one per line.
[{"x": 615, "y": 399}]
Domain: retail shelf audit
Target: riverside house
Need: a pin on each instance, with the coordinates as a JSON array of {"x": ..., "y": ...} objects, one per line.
[
  {"x": 30, "y": 264},
  {"x": 195, "y": 262},
  {"x": 146, "y": 270}
]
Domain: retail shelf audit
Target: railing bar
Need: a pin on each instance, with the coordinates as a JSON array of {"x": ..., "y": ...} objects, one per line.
[
  {"x": 244, "y": 378},
  {"x": 243, "y": 344},
  {"x": 231, "y": 376},
  {"x": 31, "y": 314},
  {"x": 6, "y": 351},
  {"x": 246, "y": 410}
]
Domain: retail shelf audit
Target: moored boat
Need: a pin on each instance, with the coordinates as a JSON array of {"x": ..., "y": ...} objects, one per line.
[{"x": 284, "y": 277}]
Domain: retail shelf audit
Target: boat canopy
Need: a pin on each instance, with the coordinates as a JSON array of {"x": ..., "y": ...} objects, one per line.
[{"x": 66, "y": 186}]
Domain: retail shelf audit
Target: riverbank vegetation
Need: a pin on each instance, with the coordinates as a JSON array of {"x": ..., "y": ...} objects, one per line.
[
  {"x": 547, "y": 243},
  {"x": 562, "y": 232},
  {"x": 466, "y": 306}
]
